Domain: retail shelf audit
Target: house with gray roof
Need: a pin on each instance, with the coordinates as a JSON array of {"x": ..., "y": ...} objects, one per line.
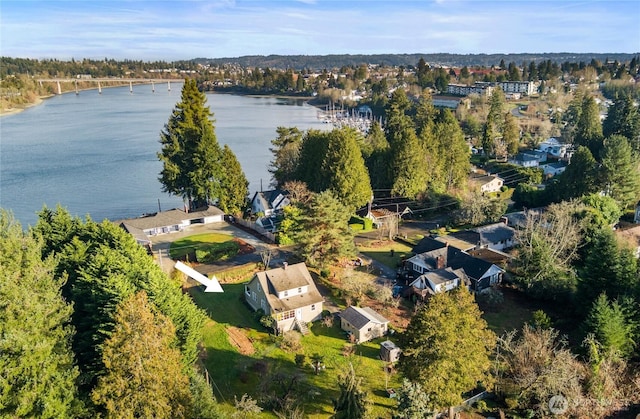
[
  {"x": 364, "y": 323},
  {"x": 481, "y": 274},
  {"x": 440, "y": 280},
  {"x": 288, "y": 294}
]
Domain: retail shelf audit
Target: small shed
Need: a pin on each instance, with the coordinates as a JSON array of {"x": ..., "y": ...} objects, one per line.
[{"x": 389, "y": 352}]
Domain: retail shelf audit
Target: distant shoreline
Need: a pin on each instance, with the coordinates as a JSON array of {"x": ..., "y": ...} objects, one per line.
[{"x": 41, "y": 99}]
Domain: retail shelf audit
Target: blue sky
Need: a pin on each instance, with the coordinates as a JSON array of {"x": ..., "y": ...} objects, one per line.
[{"x": 174, "y": 30}]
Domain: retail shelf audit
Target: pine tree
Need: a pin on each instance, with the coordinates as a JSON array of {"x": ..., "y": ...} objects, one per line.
[
  {"x": 233, "y": 184},
  {"x": 143, "y": 373},
  {"x": 286, "y": 152},
  {"x": 352, "y": 402},
  {"x": 494, "y": 125},
  {"x": 190, "y": 151},
  {"x": 413, "y": 402},
  {"x": 620, "y": 171},
  {"x": 446, "y": 347},
  {"x": 37, "y": 372},
  {"x": 589, "y": 128},
  {"x": 325, "y": 236},
  {"x": 623, "y": 118},
  {"x": 610, "y": 327},
  {"x": 511, "y": 134},
  {"x": 579, "y": 178},
  {"x": 375, "y": 150},
  {"x": 345, "y": 171},
  {"x": 312, "y": 152},
  {"x": 454, "y": 150}
]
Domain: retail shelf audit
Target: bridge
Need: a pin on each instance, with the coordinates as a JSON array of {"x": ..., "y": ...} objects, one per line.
[{"x": 152, "y": 82}]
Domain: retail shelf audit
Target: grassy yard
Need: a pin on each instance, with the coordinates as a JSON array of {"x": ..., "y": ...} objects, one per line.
[
  {"x": 513, "y": 313},
  {"x": 387, "y": 252},
  {"x": 189, "y": 244},
  {"x": 235, "y": 373}
]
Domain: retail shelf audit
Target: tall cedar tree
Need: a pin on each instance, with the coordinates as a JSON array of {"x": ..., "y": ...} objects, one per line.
[
  {"x": 589, "y": 127},
  {"x": 345, "y": 171},
  {"x": 446, "y": 347},
  {"x": 37, "y": 369},
  {"x": 610, "y": 327},
  {"x": 234, "y": 184},
  {"x": 455, "y": 152},
  {"x": 143, "y": 373},
  {"x": 190, "y": 154},
  {"x": 325, "y": 236},
  {"x": 623, "y": 118},
  {"x": 375, "y": 150},
  {"x": 286, "y": 153},
  {"x": 105, "y": 265},
  {"x": 620, "y": 171},
  {"x": 580, "y": 176},
  {"x": 312, "y": 152},
  {"x": 511, "y": 134},
  {"x": 493, "y": 126},
  {"x": 352, "y": 402}
]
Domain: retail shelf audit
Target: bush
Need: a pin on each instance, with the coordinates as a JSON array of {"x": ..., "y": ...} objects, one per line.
[
  {"x": 368, "y": 223},
  {"x": 481, "y": 405},
  {"x": 504, "y": 188},
  {"x": 290, "y": 341},
  {"x": 325, "y": 273},
  {"x": 300, "y": 360},
  {"x": 356, "y": 227}
]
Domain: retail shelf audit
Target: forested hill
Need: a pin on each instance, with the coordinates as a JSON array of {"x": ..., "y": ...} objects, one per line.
[{"x": 319, "y": 62}]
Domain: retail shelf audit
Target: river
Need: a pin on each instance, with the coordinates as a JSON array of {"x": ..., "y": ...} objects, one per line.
[{"x": 95, "y": 154}]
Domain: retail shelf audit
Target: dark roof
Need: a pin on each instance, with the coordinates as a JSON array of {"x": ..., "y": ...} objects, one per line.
[
  {"x": 428, "y": 244},
  {"x": 168, "y": 218},
  {"x": 494, "y": 233},
  {"x": 359, "y": 317}
]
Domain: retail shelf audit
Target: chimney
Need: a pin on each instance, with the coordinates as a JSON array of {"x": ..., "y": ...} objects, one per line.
[
  {"x": 439, "y": 262},
  {"x": 284, "y": 265},
  {"x": 505, "y": 220}
]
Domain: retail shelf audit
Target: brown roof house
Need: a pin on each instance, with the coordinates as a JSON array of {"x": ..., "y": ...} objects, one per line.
[
  {"x": 364, "y": 323},
  {"x": 288, "y": 294}
]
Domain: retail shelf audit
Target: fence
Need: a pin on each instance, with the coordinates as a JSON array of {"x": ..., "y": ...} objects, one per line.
[{"x": 262, "y": 232}]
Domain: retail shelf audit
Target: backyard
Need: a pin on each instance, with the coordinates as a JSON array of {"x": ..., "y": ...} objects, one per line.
[{"x": 265, "y": 367}]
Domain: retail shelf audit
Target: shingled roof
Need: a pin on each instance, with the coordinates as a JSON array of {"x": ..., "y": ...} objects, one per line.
[
  {"x": 291, "y": 277},
  {"x": 359, "y": 317}
]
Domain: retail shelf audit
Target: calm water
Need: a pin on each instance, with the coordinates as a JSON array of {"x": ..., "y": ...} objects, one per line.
[{"x": 96, "y": 154}]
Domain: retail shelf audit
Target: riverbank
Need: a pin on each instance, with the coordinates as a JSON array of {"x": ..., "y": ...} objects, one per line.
[{"x": 13, "y": 111}]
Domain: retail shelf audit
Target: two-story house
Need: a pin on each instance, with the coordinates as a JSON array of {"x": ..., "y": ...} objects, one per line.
[{"x": 288, "y": 294}]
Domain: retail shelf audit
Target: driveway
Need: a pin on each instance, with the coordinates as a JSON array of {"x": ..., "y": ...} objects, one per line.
[{"x": 162, "y": 243}]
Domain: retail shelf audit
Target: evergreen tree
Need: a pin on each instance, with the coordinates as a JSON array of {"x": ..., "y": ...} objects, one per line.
[
  {"x": 494, "y": 125},
  {"x": 580, "y": 176},
  {"x": 610, "y": 326},
  {"x": 454, "y": 152},
  {"x": 325, "y": 236},
  {"x": 375, "y": 150},
  {"x": 352, "y": 402},
  {"x": 286, "y": 152},
  {"x": 589, "y": 128},
  {"x": 623, "y": 118},
  {"x": 233, "y": 184},
  {"x": 413, "y": 402},
  {"x": 37, "y": 372},
  {"x": 408, "y": 166},
  {"x": 104, "y": 265},
  {"x": 620, "y": 171},
  {"x": 190, "y": 152},
  {"x": 344, "y": 169},
  {"x": 312, "y": 152},
  {"x": 511, "y": 134},
  {"x": 143, "y": 373},
  {"x": 446, "y": 347}
]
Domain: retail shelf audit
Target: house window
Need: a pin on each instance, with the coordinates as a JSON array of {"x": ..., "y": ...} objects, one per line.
[
  {"x": 247, "y": 290},
  {"x": 286, "y": 293},
  {"x": 285, "y": 315},
  {"x": 299, "y": 290},
  {"x": 313, "y": 307}
]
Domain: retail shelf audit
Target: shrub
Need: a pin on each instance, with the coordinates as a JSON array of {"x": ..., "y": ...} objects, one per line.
[
  {"x": 504, "y": 188},
  {"x": 290, "y": 341},
  {"x": 325, "y": 273},
  {"x": 300, "y": 360},
  {"x": 356, "y": 227},
  {"x": 481, "y": 405},
  {"x": 368, "y": 224}
]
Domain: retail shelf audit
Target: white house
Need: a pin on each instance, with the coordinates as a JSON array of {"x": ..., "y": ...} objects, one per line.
[
  {"x": 488, "y": 183},
  {"x": 439, "y": 280},
  {"x": 555, "y": 148},
  {"x": 288, "y": 294},
  {"x": 169, "y": 221},
  {"x": 553, "y": 169},
  {"x": 269, "y": 203}
]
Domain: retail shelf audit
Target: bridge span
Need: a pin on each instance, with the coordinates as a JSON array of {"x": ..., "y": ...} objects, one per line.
[{"x": 99, "y": 81}]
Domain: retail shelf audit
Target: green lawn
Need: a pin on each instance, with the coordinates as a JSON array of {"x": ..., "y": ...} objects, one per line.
[
  {"x": 236, "y": 374},
  {"x": 186, "y": 245},
  {"x": 513, "y": 313},
  {"x": 381, "y": 252}
]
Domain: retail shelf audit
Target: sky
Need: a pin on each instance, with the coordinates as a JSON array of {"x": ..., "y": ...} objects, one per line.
[{"x": 185, "y": 29}]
